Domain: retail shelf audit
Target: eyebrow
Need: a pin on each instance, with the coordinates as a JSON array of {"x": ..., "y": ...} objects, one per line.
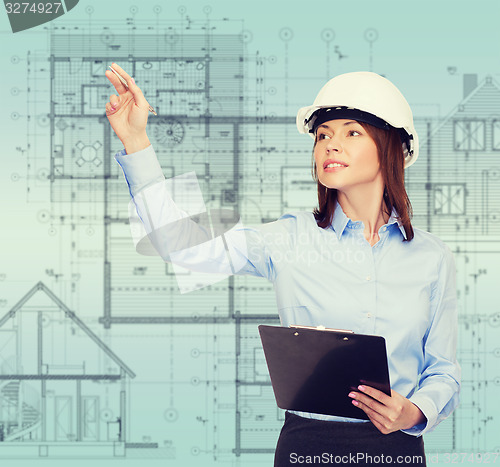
[{"x": 345, "y": 124}]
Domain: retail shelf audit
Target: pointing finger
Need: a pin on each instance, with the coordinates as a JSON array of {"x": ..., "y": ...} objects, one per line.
[
  {"x": 122, "y": 72},
  {"x": 120, "y": 88},
  {"x": 139, "y": 98}
]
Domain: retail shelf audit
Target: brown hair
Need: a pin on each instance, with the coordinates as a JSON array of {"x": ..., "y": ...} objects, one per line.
[{"x": 391, "y": 159}]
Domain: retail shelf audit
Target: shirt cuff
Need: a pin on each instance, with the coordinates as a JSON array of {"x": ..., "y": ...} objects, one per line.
[
  {"x": 141, "y": 168},
  {"x": 429, "y": 411}
]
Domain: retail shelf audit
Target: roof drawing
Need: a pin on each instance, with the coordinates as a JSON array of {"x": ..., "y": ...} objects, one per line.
[{"x": 41, "y": 287}]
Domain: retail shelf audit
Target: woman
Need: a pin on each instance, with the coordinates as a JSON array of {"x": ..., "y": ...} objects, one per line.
[{"x": 355, "y": 263}]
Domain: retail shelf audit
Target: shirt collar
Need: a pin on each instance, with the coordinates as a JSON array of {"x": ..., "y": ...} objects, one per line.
[
  {"x": 394, "y": 220},
  {"x": 340, "y": 221}
]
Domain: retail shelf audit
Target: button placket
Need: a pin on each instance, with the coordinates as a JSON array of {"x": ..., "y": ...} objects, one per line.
[{"x": 370, "y": 278}]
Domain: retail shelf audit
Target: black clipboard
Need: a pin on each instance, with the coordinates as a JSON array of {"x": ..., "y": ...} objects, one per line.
[{"x": 313, "y": 370}]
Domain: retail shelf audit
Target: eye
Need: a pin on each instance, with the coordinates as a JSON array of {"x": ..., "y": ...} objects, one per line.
[
  {"x": 354, "y": 133},
  {"x": 323, "y": 136}
]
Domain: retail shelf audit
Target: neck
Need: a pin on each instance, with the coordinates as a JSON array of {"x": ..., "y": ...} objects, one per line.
[{"x": 366, "y": 207}]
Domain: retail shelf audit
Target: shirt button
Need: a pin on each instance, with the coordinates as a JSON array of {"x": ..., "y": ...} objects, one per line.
[
  {"x": 368, "y": 315},
  {"x": 368, "y": 278}
]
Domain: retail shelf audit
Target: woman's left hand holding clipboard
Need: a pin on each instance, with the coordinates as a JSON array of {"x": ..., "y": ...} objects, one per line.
[{"x": 387, "y": 413}]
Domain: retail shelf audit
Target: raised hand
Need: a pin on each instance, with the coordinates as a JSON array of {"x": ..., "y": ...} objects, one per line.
[{"x": 128, "y": 111}]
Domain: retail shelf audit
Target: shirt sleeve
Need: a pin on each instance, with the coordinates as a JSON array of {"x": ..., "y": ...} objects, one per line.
[
  {"x": 189, "y": 239},
  {"x": 141, "y": 169},
  {"x": 439, "y": 384}
]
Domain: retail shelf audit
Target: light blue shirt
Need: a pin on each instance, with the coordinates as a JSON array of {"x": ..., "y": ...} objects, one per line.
[{"x": 403, "y": 291}]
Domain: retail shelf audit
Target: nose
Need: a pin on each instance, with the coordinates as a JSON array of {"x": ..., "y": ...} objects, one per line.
[{"x": 334, "y": 144}]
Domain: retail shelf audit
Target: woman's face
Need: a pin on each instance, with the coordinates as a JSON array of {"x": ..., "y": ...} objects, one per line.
[{"x": 346, "y": 157}]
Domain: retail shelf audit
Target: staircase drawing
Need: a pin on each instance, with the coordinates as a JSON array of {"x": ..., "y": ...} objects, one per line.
[{"x": 19, "y": 419}]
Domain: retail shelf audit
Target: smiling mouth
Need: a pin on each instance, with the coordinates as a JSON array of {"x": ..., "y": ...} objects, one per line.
[{"x": 334, "y": 165}]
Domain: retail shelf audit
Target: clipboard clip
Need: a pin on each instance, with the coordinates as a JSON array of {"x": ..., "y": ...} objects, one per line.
[{"x": 320, "y": 328}]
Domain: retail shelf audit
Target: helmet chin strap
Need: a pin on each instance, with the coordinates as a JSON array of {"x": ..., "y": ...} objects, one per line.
[{"x": 407, "y": 141}]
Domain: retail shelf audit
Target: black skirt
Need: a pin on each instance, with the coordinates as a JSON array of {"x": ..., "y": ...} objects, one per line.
[{"x": 305, "y": 441}]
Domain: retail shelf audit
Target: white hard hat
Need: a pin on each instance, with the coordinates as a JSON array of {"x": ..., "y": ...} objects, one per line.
[{"x": 366, "y": 97}]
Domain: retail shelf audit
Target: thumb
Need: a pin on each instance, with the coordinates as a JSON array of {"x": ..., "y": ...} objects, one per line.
[{"x": 139, "y": 98}]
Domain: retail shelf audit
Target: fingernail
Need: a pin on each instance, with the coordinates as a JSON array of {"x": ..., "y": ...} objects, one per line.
[
  {"x": 355, "y": 403},
  {"x": 361, "y": 388},
  {"x": 352, "y": 394},
  {"x": 133, "y": 80}
]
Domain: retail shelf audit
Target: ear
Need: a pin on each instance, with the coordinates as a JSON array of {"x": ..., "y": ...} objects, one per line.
[{"x": 405, "y": 150}]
